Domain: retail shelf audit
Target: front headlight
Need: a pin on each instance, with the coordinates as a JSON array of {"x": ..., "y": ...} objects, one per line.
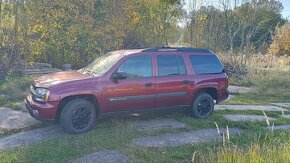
[{"x": 42, "y": 94}]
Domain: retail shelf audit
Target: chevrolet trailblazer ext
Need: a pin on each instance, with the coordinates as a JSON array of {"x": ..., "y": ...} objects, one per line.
[{"x": 130, "y": 80}]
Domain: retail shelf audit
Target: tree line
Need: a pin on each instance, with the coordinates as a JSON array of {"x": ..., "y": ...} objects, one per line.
[{"x": 78, "y": 31}]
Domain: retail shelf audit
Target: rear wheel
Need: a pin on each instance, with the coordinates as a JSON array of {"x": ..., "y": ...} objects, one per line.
[
  {"x": 202, "y": 106},
  {"x": 78, "y": 116}
]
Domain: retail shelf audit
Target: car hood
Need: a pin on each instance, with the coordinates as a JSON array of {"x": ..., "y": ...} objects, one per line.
[{"x": 59, "y": 77}]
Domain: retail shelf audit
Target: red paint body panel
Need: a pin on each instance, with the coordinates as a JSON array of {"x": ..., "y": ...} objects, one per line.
[
  {"x": 172, "y": 85},
  {"x": 46, "y": 111},
  {"x": 128, "y": 94},
  {"x": 129, "y": 88}
]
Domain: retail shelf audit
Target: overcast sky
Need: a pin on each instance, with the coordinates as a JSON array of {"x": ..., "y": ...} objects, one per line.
[{"x": 286, "y": 11}]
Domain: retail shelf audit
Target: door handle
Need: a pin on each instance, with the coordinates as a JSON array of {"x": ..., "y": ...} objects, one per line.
[
  {"x": 185, "y": 81},
  {"x": 148, "y": 84}
]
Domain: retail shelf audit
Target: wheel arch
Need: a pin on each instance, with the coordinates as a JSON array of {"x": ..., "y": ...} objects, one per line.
[
  {"x": 212, "y": 91},
  {"x": 90, "y": 97}
]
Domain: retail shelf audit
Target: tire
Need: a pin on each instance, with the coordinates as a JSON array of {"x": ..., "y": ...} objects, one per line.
[
  {"x": 202, "y": 106},
  {"x": 78, "y": 116}
]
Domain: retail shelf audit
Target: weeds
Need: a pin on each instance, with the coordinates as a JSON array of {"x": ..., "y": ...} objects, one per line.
[
  {"x": 264, "y": 146},
  {"x": 14, "y": 86},
  {"x": 13, "y": 90},
  {"x": 269, "y": 74}
]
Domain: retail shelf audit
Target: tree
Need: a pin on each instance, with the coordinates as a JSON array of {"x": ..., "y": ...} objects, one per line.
[
  {"x": 237, "y": 26},
  {"x": 78, "y": 31},
  {"x": 281, "y": 41},
  {"x": 152, "y": 22}
]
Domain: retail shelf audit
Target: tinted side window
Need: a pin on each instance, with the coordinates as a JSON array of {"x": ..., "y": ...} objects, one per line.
[
  {"x": 170, "y": 65},
  {"x": 136, "y": 67},
  {"x": 181, "y": 65},
  {"x": 206, "y": 64}
]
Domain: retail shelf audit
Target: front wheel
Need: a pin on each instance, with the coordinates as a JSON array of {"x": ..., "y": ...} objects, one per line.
[
  {"x": 202, "y": 106},
  {"x": 78, "y": 116}
]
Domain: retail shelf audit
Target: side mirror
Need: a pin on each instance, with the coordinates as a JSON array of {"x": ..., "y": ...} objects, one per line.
[{"x": 119, "y": 75}]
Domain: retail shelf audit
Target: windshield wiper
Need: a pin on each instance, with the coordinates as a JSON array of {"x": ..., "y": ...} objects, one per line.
[{"x": 89, "y": 71}]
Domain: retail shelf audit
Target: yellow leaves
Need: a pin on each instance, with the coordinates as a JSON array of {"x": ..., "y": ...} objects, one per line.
[
  {"x": 36, "y": 48},
  {"x": 281, "y": 41},
  {"x": 286, "y": 43},
  {"x": 135, "y": 17},
  {"x": 56, "y": 25},
  {"x": 202, "y": 18},
  {"x": 38, "y": 28}
]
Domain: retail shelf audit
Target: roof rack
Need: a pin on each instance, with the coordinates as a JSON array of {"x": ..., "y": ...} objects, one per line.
[{"x": 181, "y": 49}]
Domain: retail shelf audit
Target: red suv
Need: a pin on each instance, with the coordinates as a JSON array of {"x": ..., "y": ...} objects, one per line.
[{"x": 130, "y": 80}]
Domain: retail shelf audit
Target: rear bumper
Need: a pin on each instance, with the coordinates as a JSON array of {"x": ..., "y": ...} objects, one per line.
[
  {"x": 41, "y": 111},
  {"x": 224, "y": 94}
]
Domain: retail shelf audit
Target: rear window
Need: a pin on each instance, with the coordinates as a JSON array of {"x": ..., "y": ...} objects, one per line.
[{"x": 206, "y": 64}]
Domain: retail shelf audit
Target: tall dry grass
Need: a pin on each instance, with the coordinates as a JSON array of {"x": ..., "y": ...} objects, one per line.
[
  {"x": 255, "y": 61},
  {"x": 263, "y": 146},
  {"x": 263, "y": 71},
  {"x": 255, "y": 153}
]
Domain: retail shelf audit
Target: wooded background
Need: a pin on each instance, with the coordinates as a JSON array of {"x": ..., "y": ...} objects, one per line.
[{"x": 78, "y": 31}]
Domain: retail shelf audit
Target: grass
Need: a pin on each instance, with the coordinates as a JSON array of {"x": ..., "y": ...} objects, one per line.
[
  {"x": 13, "y": 91},
  {"x": 117, "y": 134},
  {"x": 269, "y": 75},
  {"x": 113, "y": 135},
  {"x": 260, "y": 147},
  {"x": 259, "y": 98},
  {"x": 5, "y": 132}
]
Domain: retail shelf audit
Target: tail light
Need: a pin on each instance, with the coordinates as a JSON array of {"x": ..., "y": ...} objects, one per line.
[{"x": 224, "y": 84}]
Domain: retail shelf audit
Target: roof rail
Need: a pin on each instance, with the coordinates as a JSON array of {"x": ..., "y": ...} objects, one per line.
[{"x": 181, "y": 49}]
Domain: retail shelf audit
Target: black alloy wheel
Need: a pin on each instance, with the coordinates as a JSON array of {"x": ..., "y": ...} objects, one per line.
[
  {"x": 203, "y": 106},
  {"x": 78, "y": 116},
  {"x": 81, "y": 118}
]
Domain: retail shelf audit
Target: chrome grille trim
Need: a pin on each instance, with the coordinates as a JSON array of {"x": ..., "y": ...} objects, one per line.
[{"x": 32, "y": 90}]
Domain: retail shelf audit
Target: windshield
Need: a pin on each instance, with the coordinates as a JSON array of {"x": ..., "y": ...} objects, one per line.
[{"x": 103, "y": 63}]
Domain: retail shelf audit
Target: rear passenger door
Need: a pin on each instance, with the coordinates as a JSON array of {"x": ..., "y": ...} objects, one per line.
[
  {"x": 173, "y": 84},
  {"x": 137, "y": 91}
]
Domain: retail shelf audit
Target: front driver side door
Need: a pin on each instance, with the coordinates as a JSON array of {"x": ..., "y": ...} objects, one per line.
[{"x": 137, "y": 91}]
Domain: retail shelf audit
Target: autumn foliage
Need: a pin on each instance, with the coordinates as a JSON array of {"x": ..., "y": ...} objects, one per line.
[
  {"x": 281, "y": 41},
  {"x": 78, "y": 31}
]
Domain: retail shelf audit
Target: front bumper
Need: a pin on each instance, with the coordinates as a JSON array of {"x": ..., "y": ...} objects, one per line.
[{"x": 41, "y": 111}]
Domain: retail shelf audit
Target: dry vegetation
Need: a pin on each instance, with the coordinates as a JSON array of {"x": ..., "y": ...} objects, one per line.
[
  {"x": 264, "y": 71},
  {"x": 265, "y": 147},
  {"x": 281, "y": 41}
]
